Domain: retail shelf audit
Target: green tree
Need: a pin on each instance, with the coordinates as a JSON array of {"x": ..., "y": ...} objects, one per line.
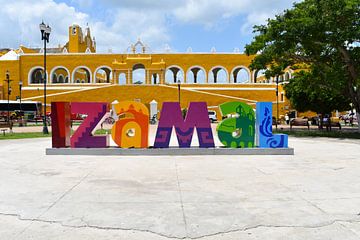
[{"x": 323, "y": 38}]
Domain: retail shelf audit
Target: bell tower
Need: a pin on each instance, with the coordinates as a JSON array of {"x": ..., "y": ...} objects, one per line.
[
  {"x": 78, "y": 42},
  {"x": 75, "y": 38}
]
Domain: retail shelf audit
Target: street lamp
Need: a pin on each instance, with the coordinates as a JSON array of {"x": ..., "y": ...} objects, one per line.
[
  {"x": 277, "y": 101},
  {"x": 7, "y": 75},
  {"x": 179, "y": 83},
  {"x": 21, "y": 112},
  {"x": 45, "y": 33},
  {"x": 20, "y": 88}
]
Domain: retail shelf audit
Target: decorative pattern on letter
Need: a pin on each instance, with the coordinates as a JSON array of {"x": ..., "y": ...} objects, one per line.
[
  {"x": 131, "y": 130},
  {"x": 82, "y": 137},
  {"x": 238, "y": 130},
  {"x": 197, "y": 116},
  {"x": 264, "y": 128}
]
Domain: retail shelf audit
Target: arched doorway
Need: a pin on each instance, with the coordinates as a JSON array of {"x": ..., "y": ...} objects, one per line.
[
  {"x": 196, "y": 74},
  {"x": 36, "y": 75},
  {"x": 103, "y": 75},
  {"x": 240, "y": 75},
  {"x": 139, "y": 74},
  {"x": 174, "y": 74},
  {"x": 81, "y": 75},
  {"x": 218, "y": 75},
  {"x": 259, "y": 76},
  {"x": 60, "y": 75}
]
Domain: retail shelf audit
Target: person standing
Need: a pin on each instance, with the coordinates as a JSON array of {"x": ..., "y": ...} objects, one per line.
[{"x": 287, "y": 119}]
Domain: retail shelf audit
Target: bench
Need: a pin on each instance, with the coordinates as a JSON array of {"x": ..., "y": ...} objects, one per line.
[
  {"x": 299, "y": 122},
  {"x": 334, "y": 122},
  {"x": 4, "y": 126}
]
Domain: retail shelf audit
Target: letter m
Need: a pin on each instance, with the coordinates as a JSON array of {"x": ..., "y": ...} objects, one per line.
[{"x": 171, "y": 116}]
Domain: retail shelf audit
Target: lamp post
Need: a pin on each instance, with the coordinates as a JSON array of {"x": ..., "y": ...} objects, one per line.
[
  {"x": 179, "y": 83},
  {"x": 21, "y": 112},
  {"x": 20, "y": 88},
  {"x": 7, "y": 75},
  {"x": 45, "y": 33},
  {"x": 277, "y": 101}
]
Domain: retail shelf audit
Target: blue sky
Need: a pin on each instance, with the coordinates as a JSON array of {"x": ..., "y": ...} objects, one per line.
[{"x": 199, "y": 24}]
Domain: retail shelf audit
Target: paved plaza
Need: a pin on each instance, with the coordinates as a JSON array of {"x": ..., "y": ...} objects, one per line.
[{"x": 314, "y": 194}]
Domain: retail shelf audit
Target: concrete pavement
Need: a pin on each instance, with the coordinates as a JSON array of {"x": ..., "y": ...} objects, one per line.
[{"x": 314, "y": 194}]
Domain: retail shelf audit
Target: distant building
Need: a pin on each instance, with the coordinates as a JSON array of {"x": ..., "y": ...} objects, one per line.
[{"x": 75, "y": 72}]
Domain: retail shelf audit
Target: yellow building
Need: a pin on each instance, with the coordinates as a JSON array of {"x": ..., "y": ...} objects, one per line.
[{"x": 75, "y": 72}]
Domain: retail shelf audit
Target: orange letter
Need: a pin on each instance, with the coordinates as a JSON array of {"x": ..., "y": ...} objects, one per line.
[{"x": 131, "y": 130}]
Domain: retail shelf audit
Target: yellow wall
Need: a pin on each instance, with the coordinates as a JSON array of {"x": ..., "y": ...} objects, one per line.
[{"x": 213, "y": 94}]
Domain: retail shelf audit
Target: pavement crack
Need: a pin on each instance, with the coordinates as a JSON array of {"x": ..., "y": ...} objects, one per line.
[
  {"x": 263, "y": 172},
  {"x": 181, "y": 197},
  {"x": 57, "y": 200},
  {"x": 64, "y": 194},
  {"x": 244, "y": 229},
  {"x": 86, "y": 225}
]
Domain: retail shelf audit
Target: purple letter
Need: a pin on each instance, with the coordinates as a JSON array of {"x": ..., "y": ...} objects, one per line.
[
  {"x": 171, "y": 116},
  {"x": 83, "y": 137}
]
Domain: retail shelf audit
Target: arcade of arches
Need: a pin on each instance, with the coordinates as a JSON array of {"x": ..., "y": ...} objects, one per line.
[
  {"x": 139, "y": 74},
  {"x": 214, "y": 78}
]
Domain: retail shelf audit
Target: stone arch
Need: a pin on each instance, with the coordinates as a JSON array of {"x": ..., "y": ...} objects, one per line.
[
  {"x": 59, "y": 70},
  {"x": 105, "y": 76},
  {"x": 192, "y": 74},
  {"x": 214, "y": 75},
  {"x": 259, "y": 76},
  {"x": 35, "y": 75},
  {"x": 174, "y": 73},
  {"x": 237, "y": 74},
  {"x": 281, "y": 78},
  {"x": 138, "y": 74},
  {"x": 83, "y": 76},
  {"x": 288, "y": 75}
]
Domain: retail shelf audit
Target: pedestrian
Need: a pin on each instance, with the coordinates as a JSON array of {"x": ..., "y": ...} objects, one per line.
[{"x": 287, "y": 119}]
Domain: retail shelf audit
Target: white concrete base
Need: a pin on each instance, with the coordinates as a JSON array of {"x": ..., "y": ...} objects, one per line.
[{"x": 172, "y": 151}]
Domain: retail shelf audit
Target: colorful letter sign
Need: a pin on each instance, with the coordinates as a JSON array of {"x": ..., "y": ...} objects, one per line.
[
  {"x": 60, "y": 124},
  {"x": 238, "y": 130},
  {"x": 131, "y": 129},
  {"x": 171, "y": 116},
  {"x": 264, "y": 128},
  {"x": 82, "y": 137}
]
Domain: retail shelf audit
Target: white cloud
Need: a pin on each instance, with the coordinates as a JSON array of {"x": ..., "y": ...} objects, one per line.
[
  {"x": 130, "y": 19},
  {"x": 129, "y": 26},
  {"x": 211, "y": 12},
  {"x": 163, "y": 5},
  {"x": 20, "y": 21}
]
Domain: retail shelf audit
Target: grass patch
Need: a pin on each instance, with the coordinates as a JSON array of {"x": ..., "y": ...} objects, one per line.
[
  {"x": 41, "y": 135},
  {"x": 23, "y": 135},
  {"x": 332, "y": 134},
  {"x": 102, "y": 132}
]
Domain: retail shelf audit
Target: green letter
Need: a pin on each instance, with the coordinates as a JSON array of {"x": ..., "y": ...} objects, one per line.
[{"x": 238, "y": 130}]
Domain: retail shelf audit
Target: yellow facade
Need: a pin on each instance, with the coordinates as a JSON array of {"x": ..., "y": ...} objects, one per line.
[
  {"x": 79, "y": 75},
  {"x": 80, "y": 41}
]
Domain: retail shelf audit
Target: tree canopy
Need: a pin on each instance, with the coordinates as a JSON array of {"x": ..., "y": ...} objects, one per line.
[{"x": 321, "y": 37}]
